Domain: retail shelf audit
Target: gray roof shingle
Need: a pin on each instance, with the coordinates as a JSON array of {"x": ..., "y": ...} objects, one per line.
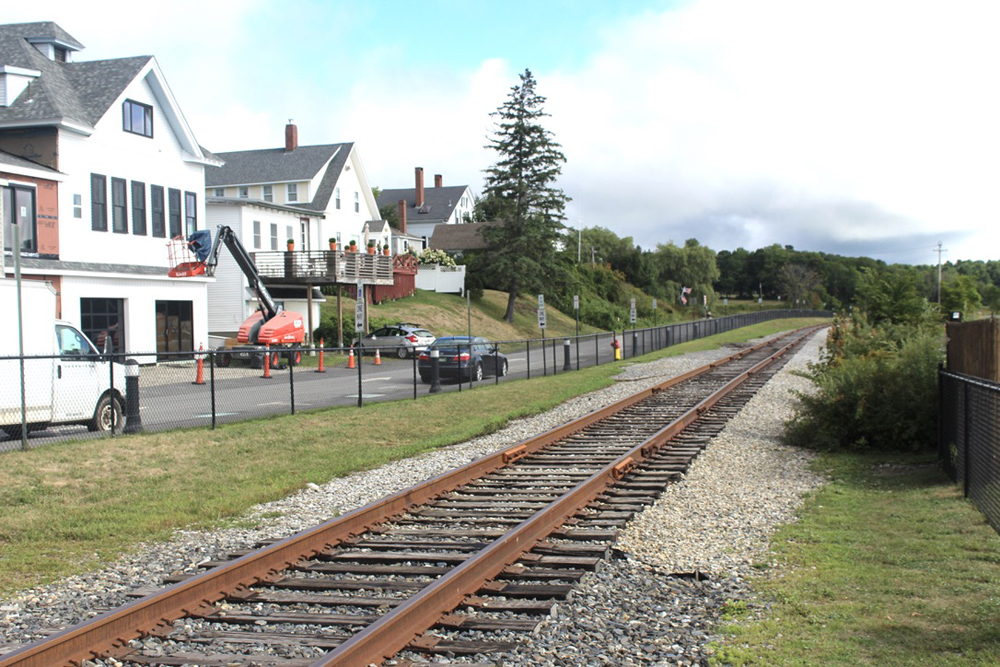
[
  {"x": 440, "y": 202},
  {"x": 452, "y": 238}
]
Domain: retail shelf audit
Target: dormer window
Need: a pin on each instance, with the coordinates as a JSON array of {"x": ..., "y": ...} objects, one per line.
[{"x": 137, "y": 118}]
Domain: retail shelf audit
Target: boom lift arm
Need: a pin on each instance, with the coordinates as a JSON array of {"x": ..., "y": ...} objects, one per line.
[{"x": 225, "y": 234}]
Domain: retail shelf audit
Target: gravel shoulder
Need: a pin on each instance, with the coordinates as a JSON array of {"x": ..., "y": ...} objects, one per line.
[{"x": 654, "y": 603}]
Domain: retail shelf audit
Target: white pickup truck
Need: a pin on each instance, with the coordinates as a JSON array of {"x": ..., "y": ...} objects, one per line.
[{"x": 65, "y": 381}]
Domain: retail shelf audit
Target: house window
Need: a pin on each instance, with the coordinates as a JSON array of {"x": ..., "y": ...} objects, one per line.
[
  {"x": 137, "y": 118},
  {"x": 357, "y": 203},
  {"x": 336, "y": 198},
  {"x": 157, "y": 210},
  {"x": 119, "y": 214},
  {"x": 304, "y": 232},
  {"x": 268, "y": 193},
  {"x": 77, "y": 206},
  {"x": 174, "y": 211},
  {"x": 274, "y": 236},
  {"x": 220, "y": 192},
  {"x": 288, "y": 232},
  {"x": 138, "y": 208},
  {"x": 174, "y": 327},
  {"x": 98, "y": 203},
  {"x": 256, "y": 234},
  {"x": 18, "y": 206},
  {"x": 190, "y": 213},
  {"x": 103, "y": 320},
  {"x": 293, "y": 192},
  {"x": 244, "y": 193}
]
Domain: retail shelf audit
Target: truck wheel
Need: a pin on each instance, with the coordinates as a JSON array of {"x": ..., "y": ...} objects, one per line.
[
  {"x": 108, "y": 413},
  {"x": 295, "y": 358},
  {"x": 275, "y": 360},
  {"x": 223, "y": 359}
]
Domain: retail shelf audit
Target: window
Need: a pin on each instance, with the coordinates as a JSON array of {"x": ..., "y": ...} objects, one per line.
[
  {"x": 256, "y": 234},
  {"x": 174, "y": 211},
  {"x": 304, "y": 232},
  {"x": 190, "y": 213},
  {"x": 137, "y": 118},
  {"x": 119, "y": 202},
  {"x": 103, "y": 320},
  {"x": 157, "y": 209},
  {"x": 274, "y": 236},
  {"x": 293, "y": 192},
  {"x": 77, "y": 206},
  {"x": 220, "y": 192},
  {"x": 244, "y": 193},
  {"x": 18, "y": 206},
  {"x": 288, "y": 232},
  {"x": 174, "y": 327},
  {"x": 357, "y": 203},
  {"x": 138, "y": 208},
  {"x": 336, "y": 198},
  {"x": 98, "y": 203},
  {"x": 268, "y": 193}
]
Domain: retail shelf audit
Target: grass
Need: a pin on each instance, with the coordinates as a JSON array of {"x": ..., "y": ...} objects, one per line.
[
  {"x": 888, "y": 565},
  {"x": 74, "y": 506}
]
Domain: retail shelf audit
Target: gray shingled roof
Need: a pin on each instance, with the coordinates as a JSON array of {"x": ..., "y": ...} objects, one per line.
[
  {"x": 76, "y": 92},
  {"x": 440, "y": 202},
  {"x": 11, "y": 160},
  {"x": 452, "y": 238},
  {"x": 276, "y": 165}
]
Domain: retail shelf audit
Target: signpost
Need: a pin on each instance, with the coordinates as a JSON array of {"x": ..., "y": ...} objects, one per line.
[
  {"x": 576, "y": 310},
  {"x": 654, "y": 324},
  {"x": 541, "y": 325},
  {"x": 359, "y": 310}
]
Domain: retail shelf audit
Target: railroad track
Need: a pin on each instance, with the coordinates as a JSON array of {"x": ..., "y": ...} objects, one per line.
[{"x": 463, "y": 564}]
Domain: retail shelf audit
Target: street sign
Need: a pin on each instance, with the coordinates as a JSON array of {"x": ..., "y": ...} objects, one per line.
[
  {"x": 576, "y": 302},
  {"x": 654, "y": 304},
  {"x": 631, "y": 313},
  {"x": 541, "y": 311},
  {"x": 359, "y": 310}
]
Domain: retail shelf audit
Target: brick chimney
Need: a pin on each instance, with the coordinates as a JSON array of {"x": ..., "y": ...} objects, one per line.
[
  {"x": 438, "y": 181},
  {"x": 291, "y": 137},
  {"x": 402, "y": 216},
  {"x": 419, "y": 187}
]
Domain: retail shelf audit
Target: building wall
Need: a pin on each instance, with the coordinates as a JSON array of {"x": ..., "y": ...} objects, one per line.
[{"x": 112, "y": 152}]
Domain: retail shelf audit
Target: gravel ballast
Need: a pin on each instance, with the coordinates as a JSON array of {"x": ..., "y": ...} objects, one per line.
[{"x": 655, "y": 602}]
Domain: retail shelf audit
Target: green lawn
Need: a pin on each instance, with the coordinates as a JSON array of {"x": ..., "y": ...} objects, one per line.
[{"x": 889, "y": 565}]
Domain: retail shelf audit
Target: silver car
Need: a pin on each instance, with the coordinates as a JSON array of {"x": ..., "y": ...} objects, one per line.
[{"x": 405, "y": 339}]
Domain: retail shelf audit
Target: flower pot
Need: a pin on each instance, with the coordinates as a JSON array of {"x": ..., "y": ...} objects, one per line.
[
  {"x": 333, "y": 245},
  {"x": 385, "y": 251},
  {"x": 291, "y": 247},
  {"x": 371, "y": 250}
]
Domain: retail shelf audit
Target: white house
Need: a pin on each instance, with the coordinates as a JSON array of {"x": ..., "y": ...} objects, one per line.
[
  {"x": 421, "y": 209},
  {"x": 260, "y": 226},
  {"x": 132, "y": 176},
  {"x": 329, "y": 179}
]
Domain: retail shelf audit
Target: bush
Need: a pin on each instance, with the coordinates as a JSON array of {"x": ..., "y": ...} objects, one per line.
[
  {"x": 432, "y": 256},
  {"x": 876, "y": 389}
]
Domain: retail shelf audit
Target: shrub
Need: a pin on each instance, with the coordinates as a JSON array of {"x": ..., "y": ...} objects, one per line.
[
  {"x": 876, "y": 389},
  {"x": 433, "y": 256}
]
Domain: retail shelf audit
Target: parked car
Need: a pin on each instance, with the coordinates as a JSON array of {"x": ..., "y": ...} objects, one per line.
[
  {"x": 463, "y": 357},
  {"x": 404, "y": 339}
]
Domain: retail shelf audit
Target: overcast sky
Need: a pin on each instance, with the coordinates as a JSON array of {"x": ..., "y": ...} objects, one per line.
[{"x": 850, "y": 127}]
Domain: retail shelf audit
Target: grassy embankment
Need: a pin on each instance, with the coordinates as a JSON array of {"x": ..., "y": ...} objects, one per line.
[
  {"x": 888, "y": 565},
  {"x": 72, "y": 506}
]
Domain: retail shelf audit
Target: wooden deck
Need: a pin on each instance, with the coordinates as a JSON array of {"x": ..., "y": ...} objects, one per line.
[{"x": 323, "y": 267}]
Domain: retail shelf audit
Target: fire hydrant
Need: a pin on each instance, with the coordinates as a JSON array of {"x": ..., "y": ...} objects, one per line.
[{"x": 617, "y": 347}]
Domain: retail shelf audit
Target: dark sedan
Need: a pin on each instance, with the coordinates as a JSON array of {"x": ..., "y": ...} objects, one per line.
[{"x": 463, "y": 358}]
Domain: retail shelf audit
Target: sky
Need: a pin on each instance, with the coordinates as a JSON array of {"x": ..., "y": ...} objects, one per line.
[{"x": 861, "y": 128}]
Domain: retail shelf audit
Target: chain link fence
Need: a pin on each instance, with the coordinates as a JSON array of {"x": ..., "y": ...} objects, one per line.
[
  {"x": 969, "y": 438},
  {"x": 109, "y": 395}
]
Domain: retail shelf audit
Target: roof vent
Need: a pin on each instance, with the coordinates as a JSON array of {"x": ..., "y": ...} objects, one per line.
[{"x": 426, "y": 208}]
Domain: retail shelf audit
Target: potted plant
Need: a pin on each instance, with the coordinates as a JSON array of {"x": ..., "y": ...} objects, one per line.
[
  {"x": 333, "y": 243},
  {"x": 353, "y": 247},
  {"x": 291, "y": 244},
  {"x": 371, "y": 247},
  {"x": 385, "y": 250}
]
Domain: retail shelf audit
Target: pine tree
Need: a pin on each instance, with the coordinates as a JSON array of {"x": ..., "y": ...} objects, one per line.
[{"x": 521, "y": 196}]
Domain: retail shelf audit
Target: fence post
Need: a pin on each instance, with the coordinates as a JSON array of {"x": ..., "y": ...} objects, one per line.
[
  {"x": 966, "y": 467},
  {"x": 291, "y": 379},
  {"x": 133, "y": 422},
  {"x": 566, "y": 362}
]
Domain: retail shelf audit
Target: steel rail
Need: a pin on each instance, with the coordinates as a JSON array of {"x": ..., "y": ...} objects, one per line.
[
  {"x": 109, "y": 633},
  {"x": 394, "y": 631}
]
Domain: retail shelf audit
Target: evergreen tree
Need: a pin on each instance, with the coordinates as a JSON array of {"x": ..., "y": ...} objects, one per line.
[{"x": 520, "y": 193}]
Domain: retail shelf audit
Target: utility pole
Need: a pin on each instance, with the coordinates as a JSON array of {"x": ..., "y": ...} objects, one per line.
[{"x": 939, "y": 251}]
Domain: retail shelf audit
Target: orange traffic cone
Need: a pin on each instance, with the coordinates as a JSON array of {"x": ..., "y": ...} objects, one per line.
[
  {"x": 320, "y": 369},
  {"x": 200, "y": 377},
  {"x": 267, "y": 363},
  {"x": 350, "y": 359},
  {"x": 378, "y": 358}
]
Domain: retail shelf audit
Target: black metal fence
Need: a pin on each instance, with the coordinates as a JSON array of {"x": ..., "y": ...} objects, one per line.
[
  {"x": 969, "y": 438},
  {"x": 75, "y": 397}
]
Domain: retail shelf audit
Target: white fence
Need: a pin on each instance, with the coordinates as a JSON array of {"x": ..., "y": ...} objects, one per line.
[{"x": 437, "y": 278}]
